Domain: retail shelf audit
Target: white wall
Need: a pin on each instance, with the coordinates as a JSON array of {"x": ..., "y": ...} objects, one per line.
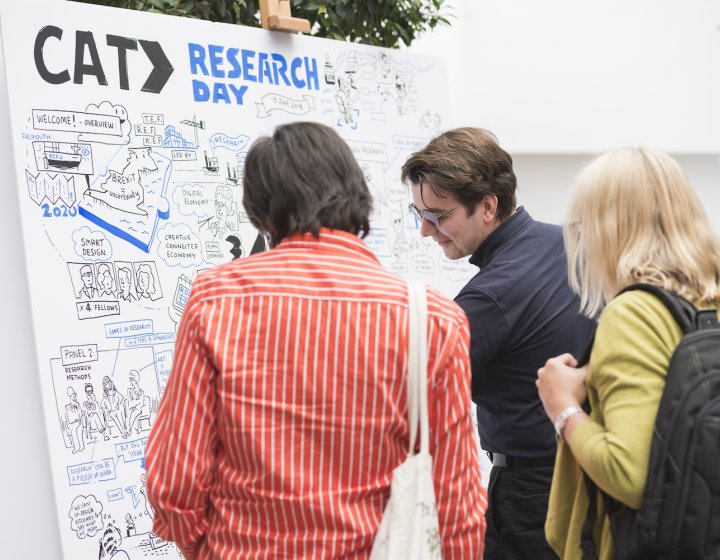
[
  {"x": 569, "y": 76},
  {"x": 543, "y": 181}
]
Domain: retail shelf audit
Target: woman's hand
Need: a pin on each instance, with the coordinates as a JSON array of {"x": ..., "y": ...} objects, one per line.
[{"x": 561, "y": 384}]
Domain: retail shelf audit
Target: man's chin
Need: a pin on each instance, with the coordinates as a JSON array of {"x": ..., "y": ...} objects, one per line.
[{"x": 451, "y": 252}]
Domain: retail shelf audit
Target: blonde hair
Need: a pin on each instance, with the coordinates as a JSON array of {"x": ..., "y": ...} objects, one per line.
[{"x": 634, "y": 217}]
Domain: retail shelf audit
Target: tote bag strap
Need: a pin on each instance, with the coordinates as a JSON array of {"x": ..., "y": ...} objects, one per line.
[{"x": 417, "y": 366}]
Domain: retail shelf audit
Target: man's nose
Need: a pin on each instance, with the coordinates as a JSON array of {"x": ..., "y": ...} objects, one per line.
[{"x": 426, "y": 228}]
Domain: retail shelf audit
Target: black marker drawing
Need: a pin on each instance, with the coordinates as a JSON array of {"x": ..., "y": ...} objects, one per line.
[
  {"x": 195, "y": 124},
  {"x": 431, "y": 124},
  {"x": 74, "y": 419},
  {"x": 94, "y": 418},
  {"x": 130, "y": 528},
  {"x": 259, "y": 245},
  {"x": 113, "y": 404},
  {"x": 401, "y": 246},
  {"x": 146, "y": 284},
  {"x": 125, "y": 190},
  {"x": 225, "y": 219},
  {"x": 105, "y": 281},
  {"x": 94, "y": 290},
  {"x": 126, "y": 287},
  {"x": 234, "y": 174},
  {"x": 211, "y": 164},
  {"x": 105, "y": 124},
  {"x": 87, "y": 279},
  {"x": 65, "y": 157},
  {"x": 137, "y": 405},
  {"x": 110, "y": 544},
  {"x": 237, "y": 249}
]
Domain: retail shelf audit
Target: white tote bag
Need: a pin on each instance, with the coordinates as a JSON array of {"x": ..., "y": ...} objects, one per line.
[{"x": 409, "y": 528}]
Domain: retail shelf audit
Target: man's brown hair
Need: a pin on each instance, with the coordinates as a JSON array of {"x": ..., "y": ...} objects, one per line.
[{"x": 469, "y": 163}]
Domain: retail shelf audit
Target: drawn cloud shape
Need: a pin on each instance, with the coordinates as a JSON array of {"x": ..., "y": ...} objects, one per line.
[
  {"x": 107, "y": 108},
  {"x": 191, "y": 199},
  {"x": 179, "y": 246},
  {"x": 85, "y": 516},
  {"x": 91, "y": 245}
]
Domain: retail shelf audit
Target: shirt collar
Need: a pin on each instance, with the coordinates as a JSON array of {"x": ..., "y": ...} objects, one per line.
[
  {"x": 517, "y": 221},
  {"x": 333, "y": 240}
]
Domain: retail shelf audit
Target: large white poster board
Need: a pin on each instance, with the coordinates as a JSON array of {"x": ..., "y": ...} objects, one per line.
[{"x": 129, "y": 133}]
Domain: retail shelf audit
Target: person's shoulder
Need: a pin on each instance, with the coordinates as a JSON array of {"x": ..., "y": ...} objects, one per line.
[
  {"x": 640, "y": 312},
  {"x": 635, "y": 302},
  {"x": 444, "y": 308}
]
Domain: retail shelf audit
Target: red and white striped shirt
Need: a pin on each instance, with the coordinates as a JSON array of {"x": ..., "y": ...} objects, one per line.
[{"x": 285, "y": 412}]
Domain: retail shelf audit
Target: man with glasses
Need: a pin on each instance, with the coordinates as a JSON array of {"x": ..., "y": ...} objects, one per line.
[{"x": 521, "y": 312}]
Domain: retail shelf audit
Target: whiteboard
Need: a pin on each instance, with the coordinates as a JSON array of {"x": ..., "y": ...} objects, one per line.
[{"x": 129, "y": 132}]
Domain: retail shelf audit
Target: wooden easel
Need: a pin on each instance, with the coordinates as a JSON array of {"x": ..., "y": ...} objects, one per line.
[{"x": 276, "y": 15}]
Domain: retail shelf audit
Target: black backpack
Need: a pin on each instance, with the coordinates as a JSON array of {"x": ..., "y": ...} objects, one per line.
[{"x": 680, "y": 513}]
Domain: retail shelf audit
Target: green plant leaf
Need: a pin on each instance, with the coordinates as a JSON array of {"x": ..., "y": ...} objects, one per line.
[{"x": 383, "y": 23}]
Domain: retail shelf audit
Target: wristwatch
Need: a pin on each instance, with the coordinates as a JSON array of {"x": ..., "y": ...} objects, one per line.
[{"x": 563, "y": 417}]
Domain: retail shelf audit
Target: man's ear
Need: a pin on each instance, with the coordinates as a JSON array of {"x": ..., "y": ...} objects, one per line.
[{"x": 489, "y": 205}]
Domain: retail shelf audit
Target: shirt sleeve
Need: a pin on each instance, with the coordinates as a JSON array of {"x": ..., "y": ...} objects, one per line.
[
  {"x": 180, "y": 454},
  {"x": 489, "y": 332},
  {"x": 461, "y": 498},
  {"x": 635, "y": 338}
]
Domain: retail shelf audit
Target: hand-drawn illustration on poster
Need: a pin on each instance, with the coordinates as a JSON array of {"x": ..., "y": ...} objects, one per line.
[{"x": 130, "y": 132}]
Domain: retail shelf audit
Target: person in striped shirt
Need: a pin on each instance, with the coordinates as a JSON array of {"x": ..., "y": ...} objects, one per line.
[{"x": 285, "y": 413}]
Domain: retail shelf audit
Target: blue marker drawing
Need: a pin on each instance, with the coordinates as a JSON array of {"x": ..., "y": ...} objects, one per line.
[
  {"x": 130, "y": 490},
  {"x": 129, "y": 203}
]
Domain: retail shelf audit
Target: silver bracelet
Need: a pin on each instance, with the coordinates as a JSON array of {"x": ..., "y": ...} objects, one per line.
[{"x": 562, "y": 418}]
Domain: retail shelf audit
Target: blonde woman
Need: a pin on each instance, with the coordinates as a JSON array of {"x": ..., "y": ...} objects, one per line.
[{"x": 633, "y": 217}]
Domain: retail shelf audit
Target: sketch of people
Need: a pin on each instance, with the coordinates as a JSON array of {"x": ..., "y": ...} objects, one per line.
[
  {"x": 106, "y": 282},
  {"x": 134, "y": 403},
  {"x": 430, "y": 122},
  {"x": 143, "y": 490},
  {"x": 145, "y": 282},
  {"x": 125, "y": 291},
  {"x": 88, "y": 291},
  {"x": 94, "y": 421},
  {"x": 225, "y": 219},
  {"x": 130, "y": 524},
  {"x": 384, "y": 70},
  {"x": 401, "y": 247},
  {"x": 110, "y": 544},
  {"x": 74, "y": 419},
  {"x": 113, "y": 404},
  {"x": 402, "y": 91},
  {"x": 344, "y": 92}
]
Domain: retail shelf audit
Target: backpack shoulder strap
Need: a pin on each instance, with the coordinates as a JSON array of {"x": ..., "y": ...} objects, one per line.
[
  {"x": 689, "y": 319},
  {"x": 684, "y": 312}
]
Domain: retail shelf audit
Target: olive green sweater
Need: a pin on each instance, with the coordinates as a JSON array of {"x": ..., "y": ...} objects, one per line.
[{"x": 635, "y": 339}]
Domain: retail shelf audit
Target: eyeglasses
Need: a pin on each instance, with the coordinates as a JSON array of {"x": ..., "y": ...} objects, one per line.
[{"x": 428, "y": 215}]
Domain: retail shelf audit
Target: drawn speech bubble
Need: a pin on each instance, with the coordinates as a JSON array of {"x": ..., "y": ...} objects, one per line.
[{"x": 85, "y": 516}]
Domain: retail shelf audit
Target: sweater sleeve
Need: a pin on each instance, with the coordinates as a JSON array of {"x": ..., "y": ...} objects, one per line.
[{"x": 635, "y": 339}]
